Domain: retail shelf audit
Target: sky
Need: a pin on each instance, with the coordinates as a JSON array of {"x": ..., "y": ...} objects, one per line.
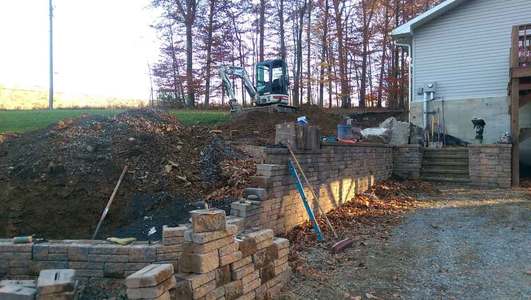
[{"x": 101, "y": 47}]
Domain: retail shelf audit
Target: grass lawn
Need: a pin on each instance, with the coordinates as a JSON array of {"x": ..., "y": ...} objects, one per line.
[{"x": 25, "y": 120}]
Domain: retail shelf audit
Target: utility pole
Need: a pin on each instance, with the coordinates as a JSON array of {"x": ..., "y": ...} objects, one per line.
[{"x": 50, "y": 92}]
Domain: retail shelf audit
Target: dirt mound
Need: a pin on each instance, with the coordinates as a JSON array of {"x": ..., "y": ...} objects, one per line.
[
  {"x": 258, "y": 127},
  {"x": 56, "y": 181}
]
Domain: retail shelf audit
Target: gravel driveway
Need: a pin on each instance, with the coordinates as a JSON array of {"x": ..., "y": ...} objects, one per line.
[{"x": 461, "y": 244}]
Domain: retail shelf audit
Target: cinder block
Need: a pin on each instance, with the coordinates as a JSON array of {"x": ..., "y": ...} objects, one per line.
[
  {"x": 199, "y": 263},
  {"x": 203, "y": 290},
  {"x": 56, "y": 281},
  {"x": 241, "y": 272},
  {"x": 230, "y": 258},
  {"x": 206, "y": 220},
  {"x": 17, "y": 292},
  {"x": 151, "y": 275},
  {"x": 230, "y": 248},
  {"x": 152, "y": 292},
  {"x": 207, "y": 247},
  {"x": 196, "y": 280},
  {"x": 259, "y": 192},
  {"x": 205, "y": 237}
]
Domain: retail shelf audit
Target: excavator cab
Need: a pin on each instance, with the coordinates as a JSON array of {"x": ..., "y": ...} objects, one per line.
[{"x": 272, "y": 82}]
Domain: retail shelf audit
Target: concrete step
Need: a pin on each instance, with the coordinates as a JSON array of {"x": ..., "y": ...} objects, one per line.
[
  {"x": 446, "y": 179},
  {"x": 445, "y": 163},
  {"x": 445, "y": 155},
  {"x": 445, "y": 171}
]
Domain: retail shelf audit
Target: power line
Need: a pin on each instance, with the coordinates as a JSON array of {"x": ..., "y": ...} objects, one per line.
[{"x": 50, "y": 92}]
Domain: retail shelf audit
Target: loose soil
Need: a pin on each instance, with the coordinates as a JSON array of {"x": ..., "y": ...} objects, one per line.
[
  {"x": 56, "y": 181},
  {"x": 258, "y": 127},
  {"x": 450, "y": 243}
]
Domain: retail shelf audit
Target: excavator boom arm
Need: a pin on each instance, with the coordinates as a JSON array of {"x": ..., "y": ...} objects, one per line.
[{"x": 226, "y": 71}]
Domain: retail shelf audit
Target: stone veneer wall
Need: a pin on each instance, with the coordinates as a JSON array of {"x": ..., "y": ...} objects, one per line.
[
  {"x": 490, "y": 165},
  {"x": 338, "y": 172},
  {"x": 407, "y": 161}
]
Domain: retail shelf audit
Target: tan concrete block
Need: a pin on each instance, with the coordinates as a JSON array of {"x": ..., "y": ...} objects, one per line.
[
  {"x": 216, "y": 294},
  {"x": 230, "y": 248},
  {"x": 241, "y": 272},
  {"x": 250, "y": 277},
  {"x": 17, "y": 292},
  {"x": 207, "y": 247},
  {"x": 203, "y": 290},
  {"x": 251, "y": 286},
  {"x": 196, "y": 280},
  {"x": 56, "y": 281},
  {"x": 230, "y": 258},
  {"x": 205, "y": 237},
  {"x": 207, "y": 220},
  {"x": 241, "y": 263},
  {"x": 151, "y": 275},
  {"x": 152, "y": 292},
  {"x": 199, "y": 263}
]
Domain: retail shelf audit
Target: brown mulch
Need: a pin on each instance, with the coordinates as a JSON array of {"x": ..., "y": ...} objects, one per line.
[
  {"x": 383, "y": 204},
  {"x": 56, "y": 181}
]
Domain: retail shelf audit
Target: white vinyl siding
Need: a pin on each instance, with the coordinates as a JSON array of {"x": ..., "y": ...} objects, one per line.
[{"x": 466, "y": 50}]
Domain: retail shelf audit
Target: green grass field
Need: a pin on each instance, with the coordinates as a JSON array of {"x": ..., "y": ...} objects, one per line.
[{"x": 18, "y": 121}]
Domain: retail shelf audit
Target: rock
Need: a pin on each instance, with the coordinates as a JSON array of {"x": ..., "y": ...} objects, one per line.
[
  {"x": 400, "y": 131},
  {"x": 376, "y": 135}
]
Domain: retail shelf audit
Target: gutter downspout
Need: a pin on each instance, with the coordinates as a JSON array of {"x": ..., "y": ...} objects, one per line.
[{"x": 410, "y": 87}]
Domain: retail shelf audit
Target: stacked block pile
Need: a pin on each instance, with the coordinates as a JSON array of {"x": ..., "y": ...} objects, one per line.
[
  {"x": 216, "y": 264},
  {"x": 152, "y": 282},
  {"x": 248, "y": 208}
]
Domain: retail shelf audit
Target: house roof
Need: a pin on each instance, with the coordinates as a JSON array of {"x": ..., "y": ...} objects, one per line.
[{"x": 406, "y": 30}]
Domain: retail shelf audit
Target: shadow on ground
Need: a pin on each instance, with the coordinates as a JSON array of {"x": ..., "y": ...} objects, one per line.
[{"x": 461, "y": 244}]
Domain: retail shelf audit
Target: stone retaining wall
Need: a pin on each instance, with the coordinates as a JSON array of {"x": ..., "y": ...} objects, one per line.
[
  {"x": 490, "y": 165},
  {"x": 407, "y": 161},
  {"x": 338, "y": 172},
  {"x": 88, "y": 258}
]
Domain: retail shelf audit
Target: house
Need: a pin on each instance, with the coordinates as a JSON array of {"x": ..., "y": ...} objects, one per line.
[{"x": 471, "y": 59}]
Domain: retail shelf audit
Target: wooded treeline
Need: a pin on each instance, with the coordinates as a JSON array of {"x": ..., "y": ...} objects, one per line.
[{"x": 339, "y": 52}]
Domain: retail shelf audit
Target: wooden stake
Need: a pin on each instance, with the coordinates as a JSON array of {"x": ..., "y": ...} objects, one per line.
[{"x": 106, "y": 210}]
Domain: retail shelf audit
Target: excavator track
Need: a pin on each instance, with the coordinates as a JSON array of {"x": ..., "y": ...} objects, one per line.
[{"x": 276, "y": 107}]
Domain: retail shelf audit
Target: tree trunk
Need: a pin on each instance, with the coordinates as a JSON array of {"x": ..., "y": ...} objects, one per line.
[
  {"x": 324, "y": 50},
  {"x": 261, "y": 29},
  {"x": 210, "y": 28},
  {"x": 345, "y": 89},
  {"x": 174, "y": 64},
  {"x": 282, "y": 32},
  {"x": 308, "y": 55},
  {"x": 384, "y": 56}
]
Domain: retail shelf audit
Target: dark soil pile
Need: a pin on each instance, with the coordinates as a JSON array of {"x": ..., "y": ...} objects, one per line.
[
  {"x": 56, "y": 181},
  {"x": 258, "y": 127}
]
